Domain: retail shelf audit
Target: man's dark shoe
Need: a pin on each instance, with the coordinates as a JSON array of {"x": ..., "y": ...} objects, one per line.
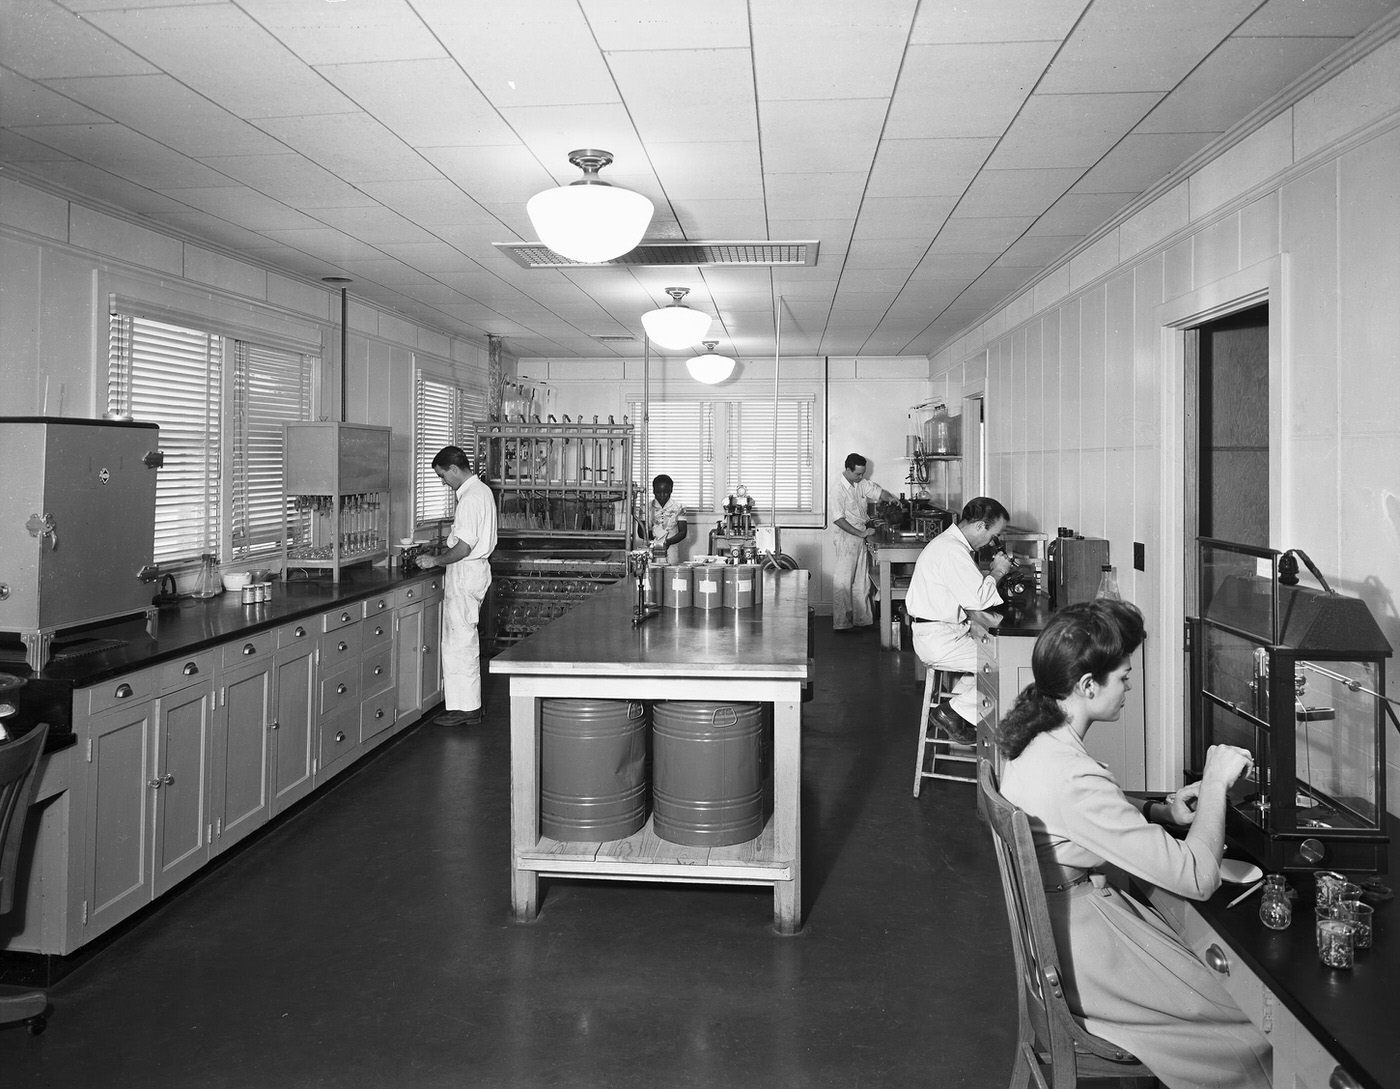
[
  {"x": 461, "y": 718},
  {"x": 954, "y": 725}
]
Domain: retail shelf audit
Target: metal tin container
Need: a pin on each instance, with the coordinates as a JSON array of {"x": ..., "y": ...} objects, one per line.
[
  {"x": 676, "y": 590},
  {"x": 709, "y": 588},
  {"x": 741, "y": 587}
]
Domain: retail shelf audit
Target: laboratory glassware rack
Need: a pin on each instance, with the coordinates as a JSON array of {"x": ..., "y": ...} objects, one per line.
[
  {"x": 335, "y": 495},
  {"x": 564, "y": 502}
]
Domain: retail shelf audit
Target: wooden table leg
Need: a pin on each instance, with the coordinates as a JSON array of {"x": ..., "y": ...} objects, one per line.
[
  {"x": 524, "y": 797},
  {"x": 787, "y": 811},
  {"x": 886, "y": 602}
]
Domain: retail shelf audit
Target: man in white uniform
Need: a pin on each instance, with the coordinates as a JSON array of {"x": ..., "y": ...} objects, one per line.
[
  {"x": 946, "y": 586},
  {"x": 469, "y": 547},
  {"x": 850, "y": 581}
]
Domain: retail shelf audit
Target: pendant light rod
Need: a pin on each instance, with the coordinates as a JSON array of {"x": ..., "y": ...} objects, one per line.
[
  {"x": 777, "y": 355},
  {"x": 645, "y": 482},
  {"x": 344, "y": 348}
]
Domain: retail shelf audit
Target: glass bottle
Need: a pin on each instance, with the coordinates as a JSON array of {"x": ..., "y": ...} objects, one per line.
[
  {"x": 1108, "y": 585},
  {"x": 1275, "y": 909},
  {"x": 208, "y": 583}
]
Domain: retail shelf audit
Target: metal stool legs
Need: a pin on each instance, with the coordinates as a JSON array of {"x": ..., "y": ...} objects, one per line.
[{"x": 936, "y": 747}]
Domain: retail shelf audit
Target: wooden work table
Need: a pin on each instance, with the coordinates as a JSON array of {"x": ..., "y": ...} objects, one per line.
[{"x": 595, "y": 652}]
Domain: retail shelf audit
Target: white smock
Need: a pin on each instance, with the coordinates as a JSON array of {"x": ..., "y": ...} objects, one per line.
[
  {"x": 467, "y": 582},
  {"x": 850, "y": 578}
]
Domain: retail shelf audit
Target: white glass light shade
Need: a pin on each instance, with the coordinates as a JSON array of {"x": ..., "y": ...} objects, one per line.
[
  {"x": 675, "y": 327},
  {"x": 594, "y": 222},
  {"x": 710, "y": 368}
]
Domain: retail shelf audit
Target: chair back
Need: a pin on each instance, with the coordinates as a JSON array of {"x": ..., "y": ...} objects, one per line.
[
  {"x": 19, "y": 781},
  {"x": 1053, "y": 1039}
]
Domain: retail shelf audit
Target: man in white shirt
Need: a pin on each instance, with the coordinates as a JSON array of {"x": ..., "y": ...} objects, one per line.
[
  {"x": 850, "y": 582},
  {"x": 946, "y": 586},
  {"x": 469, "y": 547}
]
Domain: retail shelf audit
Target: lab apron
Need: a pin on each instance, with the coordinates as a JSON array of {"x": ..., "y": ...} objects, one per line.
[
  {"x": 950, "y": 647},
  {"x": 850, "y": 583},
  {"x": 467, "y": 583}
]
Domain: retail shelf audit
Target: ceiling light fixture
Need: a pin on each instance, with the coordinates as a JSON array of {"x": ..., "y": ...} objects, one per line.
[
  {"x": 710, "y": 368},
  {"x": 589, "y": 219},
  {"x": 676, "y": 326}
]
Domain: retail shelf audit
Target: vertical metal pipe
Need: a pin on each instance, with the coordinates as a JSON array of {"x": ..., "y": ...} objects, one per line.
[
  {"x": 777, "y": 355},
  {"x": 344, "y": 342},
  {"x": 645, "y": 483}
]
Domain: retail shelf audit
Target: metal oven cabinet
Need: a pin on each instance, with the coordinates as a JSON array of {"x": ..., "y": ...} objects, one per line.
[
  {"x": 77, "y": 525},
  {"x": 1294, "y": 675}
]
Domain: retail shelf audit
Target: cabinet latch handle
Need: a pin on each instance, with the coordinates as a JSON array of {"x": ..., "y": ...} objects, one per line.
[
  {"x": 1217, "y": 960},
  {"x": 190, "y": 669},
  {"x": 249, "y": 648},
  {"x": 123, "y": 691}
]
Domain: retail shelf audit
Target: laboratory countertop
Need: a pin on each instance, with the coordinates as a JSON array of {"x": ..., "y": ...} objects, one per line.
[{"x": 196, "y": 625}]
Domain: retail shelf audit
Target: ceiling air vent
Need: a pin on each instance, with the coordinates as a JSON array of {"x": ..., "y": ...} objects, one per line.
[
  {"x": 666, "y": 253},
  {"x": 615, "y": 338}
]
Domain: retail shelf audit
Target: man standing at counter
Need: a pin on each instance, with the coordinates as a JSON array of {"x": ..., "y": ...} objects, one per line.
[
  {"x": 469, "y": 547},
  {"x": 946, "y": 586},
  {"x": 850, "y": 581}
]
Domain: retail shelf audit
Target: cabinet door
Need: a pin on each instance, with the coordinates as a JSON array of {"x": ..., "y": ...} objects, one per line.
[
  {"x": 292, "y": 729},
  {"x": 432, "y": 652},
  {"x": 408, "y": 658},
  {"x": 117, "y": 878},
  {"x": 180, "y": 786},
  {"x": 241, "y": 752}
]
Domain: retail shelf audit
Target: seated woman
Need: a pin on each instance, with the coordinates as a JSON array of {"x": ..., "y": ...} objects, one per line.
[{"x": 1128, "y": 972}]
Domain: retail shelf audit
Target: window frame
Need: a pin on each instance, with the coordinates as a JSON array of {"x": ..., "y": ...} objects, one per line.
[{"x": 467, "y": 404}]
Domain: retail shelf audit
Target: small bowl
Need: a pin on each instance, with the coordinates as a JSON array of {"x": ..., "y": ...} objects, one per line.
[
  {"x": 236, "y": 580},
  {"x": 408, "y": 542}
]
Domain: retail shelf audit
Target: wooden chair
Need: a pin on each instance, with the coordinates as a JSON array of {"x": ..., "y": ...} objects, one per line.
[
  {"x": 1053, "y": 1048},
  {"x": 936, "y": 747},
  {"x": 19, "y": 780}
]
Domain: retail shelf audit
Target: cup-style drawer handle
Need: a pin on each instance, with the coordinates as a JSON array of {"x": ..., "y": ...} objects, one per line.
[
  {"x": 987, "y": 667},
  {"x": 339, "y": 735},
  {"x": 381, "y": 604},
  {"x": 379, "y": 712},
  {"x": 379, "y": 629},
  {"x": 123, "y": 691},
  {"x": 299, "y": 633},
  {"x": 345, "y": 618},
  {"x": 249, "y": 648},
  {"x": 342, "y": 646},
  {"x": 408, "y": 593},
  {"x": 190, "y": 669},
  {"x": 1217, "y": 960},
  {"x": 341, "y": 689},
  {"x": 378, "y": 670}
]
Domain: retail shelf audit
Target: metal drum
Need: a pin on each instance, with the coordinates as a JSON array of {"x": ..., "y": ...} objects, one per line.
[
  {"x": 708, "y": 779},
  {"x": 708, "y": 593},
  {"x": 742, "y": 588},
  {"x": 676, "y": 591},
  {"x": 593, "y": 769}
]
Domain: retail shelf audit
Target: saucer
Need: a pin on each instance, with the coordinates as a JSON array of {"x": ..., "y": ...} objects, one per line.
[{"x": 1239, "y": 872}]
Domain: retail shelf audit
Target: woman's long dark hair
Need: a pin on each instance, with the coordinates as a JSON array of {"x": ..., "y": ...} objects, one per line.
[{"x": 1095, "y": 638}]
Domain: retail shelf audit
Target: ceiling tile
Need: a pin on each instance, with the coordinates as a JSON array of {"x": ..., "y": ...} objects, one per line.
[
  {"x": 386, "y": 271},
  {"x": 215, "y": 228},
  {"x": 1068, "y": 130},
  {"x": 126, "y": 153},
  {"x": 1139, "y": 160},
  {"x": 102, "y": 187},
  {"x": 723, "y": 220},
  {"x": 800, "y": 135},
  {"x": 432, "y": 202},
  {"x": 1016, "y": 192},
  {"x": 428, "y": 103},
  {"x": 938, "y": 168},
  {"x": 708, "y": 171},
  {"x": 979, "y": 235},
  {"x": 835, "y": 49},
  {"x": 658, "y": 89},
  {"x": 289, "y": 178},
  {"x": 374, "y": 225},
  {"x": 987, "y": 81},
  {"x": 641, "y": 24},
  {"x": 239, "y": 204},
  {"x": 886, "y": 253},
  {"x": 1005, "y": 21},
  {"x": 324, "y": 242},
  {"x": 334, "y": 33},
  {"x": 353, "y": 146},
  {"x": 15, "y": 148},
  {"x": 551, "y": 132},
  {"x": 1037, "y": 251},
  {"x": 1291, "y": 18},
  {"x": 41, "y": 40},
  {"x": 1079, "y": 213},
  {"x": 24, "y": 102},
  {"x": 901, "y": 217}
]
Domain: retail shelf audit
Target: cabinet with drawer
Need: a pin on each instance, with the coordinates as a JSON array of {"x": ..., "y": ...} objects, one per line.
[
  {"x": 239, "y": 765},
  {"x": 418, "y": 662},
  {"x": 292, "y": 745}
]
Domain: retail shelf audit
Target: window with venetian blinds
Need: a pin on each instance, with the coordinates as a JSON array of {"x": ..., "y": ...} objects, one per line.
[{"x": 443, "y": 413}]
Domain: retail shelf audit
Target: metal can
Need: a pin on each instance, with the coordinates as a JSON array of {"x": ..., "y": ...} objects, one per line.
[{"x": 250, "y": 594}]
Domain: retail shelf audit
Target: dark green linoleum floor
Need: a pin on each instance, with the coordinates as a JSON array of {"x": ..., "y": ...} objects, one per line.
[{"x": 367, "y": 941}]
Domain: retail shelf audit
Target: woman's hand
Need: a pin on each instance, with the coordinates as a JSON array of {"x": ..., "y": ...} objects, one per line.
[
  {"x": 1225, "y": 764},
  {"x": 1182, "y": 804}
]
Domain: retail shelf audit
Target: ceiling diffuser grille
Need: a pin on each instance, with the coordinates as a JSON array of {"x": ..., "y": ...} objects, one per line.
[{"x": 658, "y": 253}]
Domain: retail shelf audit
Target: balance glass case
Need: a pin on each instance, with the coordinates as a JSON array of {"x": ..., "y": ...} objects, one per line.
[{"x": 1294, "y": 675}]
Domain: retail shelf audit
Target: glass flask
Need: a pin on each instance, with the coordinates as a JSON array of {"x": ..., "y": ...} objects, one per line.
[
  {"x": 209, "y": 582},
  {"x": 1275, "y": 910},
  {"x": 1108, "y": 585}
]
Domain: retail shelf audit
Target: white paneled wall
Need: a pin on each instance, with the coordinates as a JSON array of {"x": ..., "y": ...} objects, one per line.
[
  {"x": 59, "y": 261},
  {"x": 1083, "y": 393}
]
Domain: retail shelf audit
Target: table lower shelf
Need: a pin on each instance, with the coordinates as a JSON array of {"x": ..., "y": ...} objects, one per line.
[{"x": 646, "y": 856}]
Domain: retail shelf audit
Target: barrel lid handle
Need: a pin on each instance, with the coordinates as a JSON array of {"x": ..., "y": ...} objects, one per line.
[{"x": 724, "y": 709}]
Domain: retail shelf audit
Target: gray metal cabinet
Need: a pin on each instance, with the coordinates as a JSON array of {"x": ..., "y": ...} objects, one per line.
[
  {"x": 179, "y": 785},
  {"x": 292, "y": 760},
  {"x": 239, "y": 799},
  {"x": 417, "y": 656}
]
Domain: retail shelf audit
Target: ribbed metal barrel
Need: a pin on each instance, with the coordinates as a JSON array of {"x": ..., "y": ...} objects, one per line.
[
  {"x": 708, "y": 774},
  {"x": 675, "y": 590},
  {"x": 593, "y": 769},
  {"x": 708, "y": 592},
  {"x": 742, "y": 587}
]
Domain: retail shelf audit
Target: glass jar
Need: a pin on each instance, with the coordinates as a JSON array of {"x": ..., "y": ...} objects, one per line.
[
  {"x": 1275, "y": 910},
  {"x": 1108, "y": 585},
  {"x": 209, "y": 582}
]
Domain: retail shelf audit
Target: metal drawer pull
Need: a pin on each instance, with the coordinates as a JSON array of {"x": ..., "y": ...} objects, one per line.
[
  {"x": 1217, "y": 960},
  {"x": 160, "y": 781},
  {"x": 378, "y": 670},
  {"x": 379, "y": 712},
  {"x": 340, "y": 735},
  {"x": 379, "y": 630},
  {"x": 123, "y": 691},
  {"x": 274, "y": 725},
  {"x": 300, "y": 632},
  {"x": 408, "y": 593},
  {"x": 427, "y": 649},
  {"x": 190, "y": 669},
  {"x": 1340, "y": 1079},
  {"x": 340, "y": 688},
  {"x": 345, "y": 617},
  {"x": 343, "y": 646},
  {"x": 248, "y": 648}
]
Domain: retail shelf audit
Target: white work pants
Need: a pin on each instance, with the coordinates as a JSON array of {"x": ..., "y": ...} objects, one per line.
[
  {"x": 950, "y": 647},
  {"x": 467, "y": 583},
  {"x": 850, "y": 584}
]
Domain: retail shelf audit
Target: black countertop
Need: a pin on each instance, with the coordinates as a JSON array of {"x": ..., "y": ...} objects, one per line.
[
  {"x": 1348, "y": 1011},
  {"x": 1028, "y": 619},
  {"x": 196, "y": 625}
]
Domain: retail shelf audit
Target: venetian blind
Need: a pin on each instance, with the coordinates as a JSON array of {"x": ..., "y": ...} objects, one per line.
[
  {"x": 680, "y": 443},
  {"x": 170, "y": 375},
  {"x": 751, "y": 449},
  {"x": 443, "y": 413},
  {"x": 271, "y": 387}
]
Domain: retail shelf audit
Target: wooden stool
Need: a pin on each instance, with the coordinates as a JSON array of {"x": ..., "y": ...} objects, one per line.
[{"x": 938, "y": 686}]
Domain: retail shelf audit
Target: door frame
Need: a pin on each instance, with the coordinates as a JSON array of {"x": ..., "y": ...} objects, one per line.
[{"x": 1177, "y": 318}]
